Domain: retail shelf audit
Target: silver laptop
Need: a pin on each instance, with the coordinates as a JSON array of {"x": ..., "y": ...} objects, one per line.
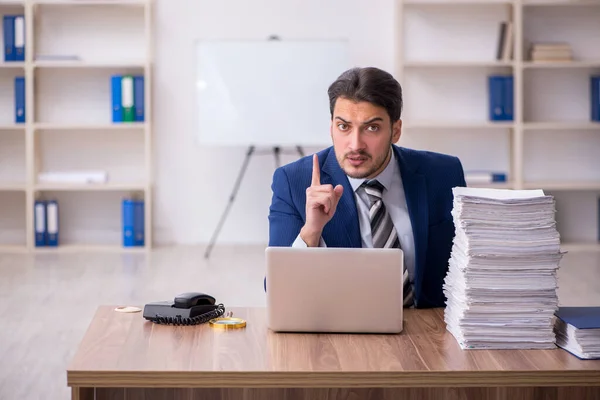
[{"x": 320, "y": 289}]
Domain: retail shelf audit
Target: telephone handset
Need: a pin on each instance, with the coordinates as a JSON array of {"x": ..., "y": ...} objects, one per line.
[{"x": 190, "y": 308}]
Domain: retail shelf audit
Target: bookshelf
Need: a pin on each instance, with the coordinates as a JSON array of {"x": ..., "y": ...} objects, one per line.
[
  {"x": 446, "y": 49},
  {"x": 69, "y": 125}
]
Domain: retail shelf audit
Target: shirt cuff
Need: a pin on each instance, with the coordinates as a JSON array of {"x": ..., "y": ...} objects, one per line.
[{"x": 300, "y": 243}]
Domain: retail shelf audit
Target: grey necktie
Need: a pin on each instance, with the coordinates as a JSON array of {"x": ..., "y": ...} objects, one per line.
[{"x": 382, "y": 229}]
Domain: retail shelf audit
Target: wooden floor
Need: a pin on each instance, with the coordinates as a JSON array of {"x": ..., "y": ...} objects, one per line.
[{"x": 47, "y": 301}]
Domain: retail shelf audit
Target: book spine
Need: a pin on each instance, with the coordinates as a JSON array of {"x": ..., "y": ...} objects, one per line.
[
  {"x": 595, "y": 98},
  {"x": 138, "y": 222},
  {"x": 39, "y": 214},
  {"x": 127, "y": 98},
  {"x": 19, "y": 38},
  {"x": 52, "y": 223},
  {"x": 138, "y": 98},
  {"x": 509, "y": 98},
  {"x": 8, "y": 30},
  {"x": 495, "y": 98},
  {"x": 117, "y": 111},
  {"x": 128, "y": 222},
  {"x": 19, "y": 100}
]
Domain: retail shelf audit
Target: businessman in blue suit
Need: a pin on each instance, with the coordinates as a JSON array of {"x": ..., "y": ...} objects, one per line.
[{"x": 365, "y": 191}]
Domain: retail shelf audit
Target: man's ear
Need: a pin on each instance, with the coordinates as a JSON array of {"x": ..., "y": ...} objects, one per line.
[{"x": 396, "y": 131}]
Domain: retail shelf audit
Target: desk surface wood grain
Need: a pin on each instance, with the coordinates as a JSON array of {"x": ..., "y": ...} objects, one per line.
[{"x": 124, "y": 350}]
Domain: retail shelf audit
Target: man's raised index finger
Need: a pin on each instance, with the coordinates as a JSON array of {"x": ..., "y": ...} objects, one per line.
[{"x": 316, "y": 174}]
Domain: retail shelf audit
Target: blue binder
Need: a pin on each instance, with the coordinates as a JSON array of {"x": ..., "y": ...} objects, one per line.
[
  {"x": 138, "y": 222},
  {"x": 19, "y": 37},
  {"x": 8, "y": 30},
  {"x": 496, "y": 98},
  {"x": 138, "y": 98},
  {"x": 52, "y": 223},
  {"x": 595, "y": 98},
  {"x": 39, "y": 215},
  {"x": 117, "y": 111},
  {"x": 19, "y": 100},
  {"x": 128, "y": 221},
  {"x": 509, "y": 110}
]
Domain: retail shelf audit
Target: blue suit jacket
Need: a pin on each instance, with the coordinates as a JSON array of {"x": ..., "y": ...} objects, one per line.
[{"x": 428, "y": 179}]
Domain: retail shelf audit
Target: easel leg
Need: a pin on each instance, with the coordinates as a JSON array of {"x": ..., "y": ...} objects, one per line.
[
  {"x": 231, "y": 199},
  {"x": 276, "y": 153}
]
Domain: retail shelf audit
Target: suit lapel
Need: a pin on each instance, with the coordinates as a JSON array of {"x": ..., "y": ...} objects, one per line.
[
  {"x": 415, "y": 190},
  {"x": 343, "y": 230}
]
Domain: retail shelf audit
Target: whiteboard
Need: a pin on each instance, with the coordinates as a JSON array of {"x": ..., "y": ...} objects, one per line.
[{"x": 266, "y": 92}]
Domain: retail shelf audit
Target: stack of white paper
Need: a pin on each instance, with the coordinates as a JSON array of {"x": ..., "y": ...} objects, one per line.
[{"x": 501, "y": 284}]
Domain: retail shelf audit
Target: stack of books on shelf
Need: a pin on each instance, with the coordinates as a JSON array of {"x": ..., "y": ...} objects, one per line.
[
  {"x": 13, "y": 34},
  {"x": 127, "y": 98},
  {"x": 501, "y": 284},
  {"x": 546, "y": 52},
  {"x": 578, "y": 331},
  {"x": 46, "y": 222}
]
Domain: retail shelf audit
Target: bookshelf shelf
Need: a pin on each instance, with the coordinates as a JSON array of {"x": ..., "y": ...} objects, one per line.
[
  {"x": 90, "y": 187},
  {"x": 12, "y": 127},
  {"x": 561, "y": 3},
  {"x": 72, "y": 49},
  {"x": 560, "y": 64},
  {"x": 83, "y": 127},
  {"x": 435, "y": 125},
  {"x": 579, "y": 247},
  {"x": 563, "y": 185},
  {"x": 457, "y": 64},
  {"x": 457, "y": 2},
  {"x": 12, "y": 65},
  {"x": 562, "y": 126},
  {"x": 13, "y": 249},
  {"x": 89, "y": 64},
  {"x": 83, "y": 248}
]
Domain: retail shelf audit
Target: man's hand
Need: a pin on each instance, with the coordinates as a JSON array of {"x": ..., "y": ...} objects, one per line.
[{"x": 321, "y": 203}]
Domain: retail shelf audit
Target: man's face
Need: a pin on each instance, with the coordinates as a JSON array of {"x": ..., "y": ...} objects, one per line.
[{"x": 362, "y": 135}]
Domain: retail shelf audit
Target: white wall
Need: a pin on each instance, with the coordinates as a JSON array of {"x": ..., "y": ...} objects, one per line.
[{"x": 187, "y": 209}]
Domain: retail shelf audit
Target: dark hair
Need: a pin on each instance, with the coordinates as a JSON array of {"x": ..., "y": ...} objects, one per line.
[{"x": 369, "y": 84}]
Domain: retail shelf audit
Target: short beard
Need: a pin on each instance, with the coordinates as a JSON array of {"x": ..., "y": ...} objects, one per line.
[{"x": 376, "y": 165}]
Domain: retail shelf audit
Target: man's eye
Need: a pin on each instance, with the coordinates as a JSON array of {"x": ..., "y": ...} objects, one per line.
[
  {"x": 373, "y": 128},
  {"x": 342, "y": 127}
]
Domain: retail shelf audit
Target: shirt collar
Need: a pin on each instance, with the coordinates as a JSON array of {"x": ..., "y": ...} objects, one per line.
[{"x": 384, "y": 177}]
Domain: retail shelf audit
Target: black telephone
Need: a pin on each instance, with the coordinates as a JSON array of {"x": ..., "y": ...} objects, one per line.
[{"x": 190, "y": 308}]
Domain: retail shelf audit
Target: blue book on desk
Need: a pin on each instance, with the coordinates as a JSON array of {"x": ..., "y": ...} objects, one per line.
[
  {"x": 8, "y": 34},
  {"x": 595, "y": 98},
  {"x": 19, "y": 100},
  {"x": 578, "y": 331}
]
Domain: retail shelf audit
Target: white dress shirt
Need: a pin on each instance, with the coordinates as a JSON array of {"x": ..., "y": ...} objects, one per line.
[{"x": 394, "y": 200}]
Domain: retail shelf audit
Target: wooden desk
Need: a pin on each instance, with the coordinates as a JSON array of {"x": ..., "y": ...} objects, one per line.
[{"x": 122, "y": 356}]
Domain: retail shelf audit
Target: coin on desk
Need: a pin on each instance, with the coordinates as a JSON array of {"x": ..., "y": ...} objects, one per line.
[
  {"x": 128, "y": 309},
  {"x": 227, "y": 323}
]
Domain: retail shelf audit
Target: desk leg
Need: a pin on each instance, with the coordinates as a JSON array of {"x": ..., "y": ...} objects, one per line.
[
  {"x": 494, "y": 393},
  {"x": 79, "y": 393}
]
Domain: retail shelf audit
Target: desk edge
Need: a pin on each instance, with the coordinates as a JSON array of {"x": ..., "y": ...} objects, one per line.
[{"x": 312, "y": 379}]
